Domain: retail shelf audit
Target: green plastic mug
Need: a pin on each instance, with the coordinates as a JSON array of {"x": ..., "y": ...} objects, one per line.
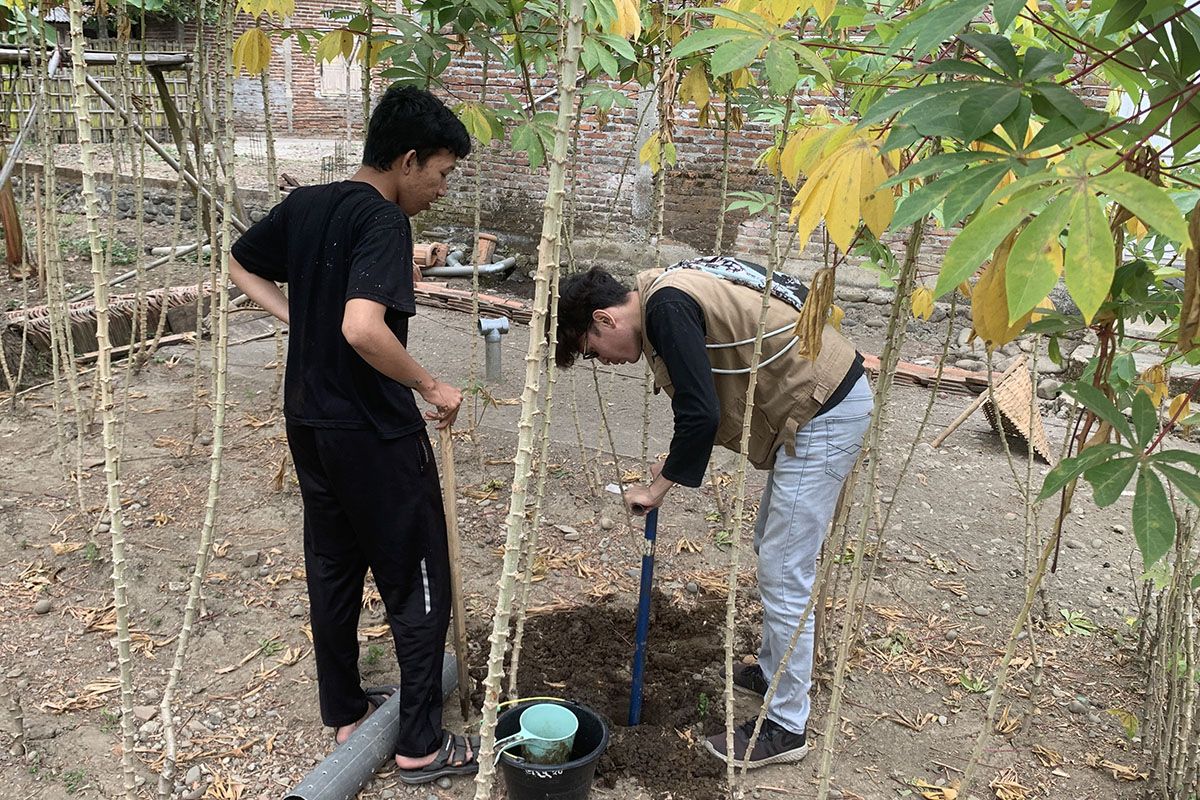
[{"x": 547, "y": 734}]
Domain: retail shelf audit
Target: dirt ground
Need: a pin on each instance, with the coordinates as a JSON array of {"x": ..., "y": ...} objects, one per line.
[
  {"x": 949, "y": 572},
  {"x": 949, "y": 578}
]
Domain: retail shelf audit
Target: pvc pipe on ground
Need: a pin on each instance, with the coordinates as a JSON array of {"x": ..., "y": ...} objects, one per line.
[
  {"x": 456, "y": 269},
  {"x": 344, "y": 772}
]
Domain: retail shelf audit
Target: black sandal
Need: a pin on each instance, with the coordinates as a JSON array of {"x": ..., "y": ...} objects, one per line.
[
  {"x": 450, "y": 760},
  {"x": 376, "y": 696}
]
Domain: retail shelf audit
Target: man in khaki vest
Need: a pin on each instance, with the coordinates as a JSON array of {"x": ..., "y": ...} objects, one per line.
[{"x": 696, "y": 322}]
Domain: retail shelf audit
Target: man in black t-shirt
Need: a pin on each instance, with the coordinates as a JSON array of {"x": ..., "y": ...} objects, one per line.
[{"x": 364, "y": 462}]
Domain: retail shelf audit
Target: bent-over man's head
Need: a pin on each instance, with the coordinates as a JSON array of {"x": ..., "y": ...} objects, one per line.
[{"x": 598, "y": 317}]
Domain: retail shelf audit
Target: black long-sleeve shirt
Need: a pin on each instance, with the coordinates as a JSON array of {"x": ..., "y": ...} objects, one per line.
[{"x": 675, "y": 328}]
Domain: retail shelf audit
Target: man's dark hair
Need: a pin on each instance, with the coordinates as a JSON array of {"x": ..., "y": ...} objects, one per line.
[
  {"x": 408, "y": 118},
  {"x": 578, "y": 297}
]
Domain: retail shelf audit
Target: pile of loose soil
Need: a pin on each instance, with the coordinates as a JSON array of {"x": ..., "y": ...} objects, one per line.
[{"x": 586, "y": 654}]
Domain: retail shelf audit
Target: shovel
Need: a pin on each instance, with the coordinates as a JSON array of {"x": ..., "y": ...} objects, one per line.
[
  {"x": 643, "y": 618},
  {"x": 458, "y": 607}
]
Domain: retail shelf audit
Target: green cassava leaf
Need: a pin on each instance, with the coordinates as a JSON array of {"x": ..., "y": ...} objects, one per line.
[
  {"x": 1033, "y": 265},
  {"x": 1153, "y": 520},
  {"x": 1090, "y": 258},
  {"x": 998, "y": 48},
  {"x": 1070, "y": 468},
  {"x": 983, "y": 235},
  {"x": 1150, "y": 203},
  {"x": 1188, "y": 483},
  {"x": 1110, "y": 478},
  {"x": 966, "y": 196},
  {"x": 1145, "y": 420},
  {"x": 1101, "y": 406}
]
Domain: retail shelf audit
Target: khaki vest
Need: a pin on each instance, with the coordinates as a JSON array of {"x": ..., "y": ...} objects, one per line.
[{"x": 789, "y": 391}]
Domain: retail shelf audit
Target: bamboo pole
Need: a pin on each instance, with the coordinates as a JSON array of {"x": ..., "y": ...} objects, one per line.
[
  {"x": 458, "y": 607},
  {"x": 112, "y": 479},
  {"x": 548, "y": 259}
]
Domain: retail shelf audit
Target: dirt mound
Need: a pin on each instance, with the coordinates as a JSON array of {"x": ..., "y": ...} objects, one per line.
[{"x": 585, "y": 654}]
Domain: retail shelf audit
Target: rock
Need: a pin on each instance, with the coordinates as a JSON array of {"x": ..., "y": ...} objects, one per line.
[
  {"x": 981, "y": 611},
  {"x": 1097, "y": 543},
  {"x": 1118, "y": 529},
  {"x": 913, "y": 558},
  {"x": 1083, "y": 354},
  {"x": 145, "y": 713},
  {"x": 1048, "y": 388},
  {"x": 693, "y": 587},
  {"x": 573, "y": 536},
  {"x": 444, "y": 782},
  {"x": 606, "y": 524},
  {"x": 565, "y": 529},
  {"x": 42, "y": 606},
  {"x": 880, "y": 297},
  {"x": 204, "y": 440},
  {"x": 103, "y": 527},
  {"x": 1077, "y": 706},
  {"x": 969, "y": 364},
  {"x": 1095, "y": 602},
  {"x": 852, "y": 295},
  {"x": 297, "y": 611},
  {"x": 951, "y": 636},
  {"x": 193, "y": 794},
  {"x": 1073, "y": 544},
  {"x": 250, "y": 558}
]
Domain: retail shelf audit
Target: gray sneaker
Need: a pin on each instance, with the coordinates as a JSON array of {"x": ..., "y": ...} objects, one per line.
[
  {"x": 775, "y": 745},
  {"x": 749, "y": 679}
]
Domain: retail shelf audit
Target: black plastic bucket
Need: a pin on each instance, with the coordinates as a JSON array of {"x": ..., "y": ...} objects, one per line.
[{"x": 569, "y": 781}]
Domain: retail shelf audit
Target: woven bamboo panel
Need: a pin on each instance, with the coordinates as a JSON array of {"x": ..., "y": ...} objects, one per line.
[{"x": 1019, "y": 413}]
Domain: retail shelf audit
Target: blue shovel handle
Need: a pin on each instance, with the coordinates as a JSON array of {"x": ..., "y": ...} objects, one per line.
[{"x": 643, "y": 619}]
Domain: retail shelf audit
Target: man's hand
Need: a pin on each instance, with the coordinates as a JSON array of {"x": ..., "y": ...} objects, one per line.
[
  {"x": 445, "y": 399},
  {"x": 640, "y": 499}
]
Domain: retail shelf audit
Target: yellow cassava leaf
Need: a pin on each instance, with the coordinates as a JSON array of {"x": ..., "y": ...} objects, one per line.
[
  {"x": 836, "y": 315},
  {"x": 651, "y": 152},
  {"x": 281, "y": 8},
  {"x": 740, "y": 79},
  {"x": 989, "y": 301},
  {"x": 965, "y": 289},
  {"x": 741, "y": 7},
  {"x": 629, "y": 20},
  {"x": 1153, "y": 381},
  {"x": 1180, "y": 406},
  {"x": 811, "y": 202},
  {"x": 694, "y": 88},
  {"x": 822, "y": 145},
  {"x": 1189, "y": 308},
  {"x": 922, "y": 303},
  {"x": 252, "y": 51},
  {"x": 476, "y": 122},
  {"x": 841, "y": 219},
  {"x": 779, "y": 11},
  {"x": 788, "y": 162},
  {"x": 769, "y": 160},
  {"x": 252, "y": 7},
  {"x": 335, "y": 43},
  {"x": 878, "y": 203},
  {"x": 824, "y": 9}
]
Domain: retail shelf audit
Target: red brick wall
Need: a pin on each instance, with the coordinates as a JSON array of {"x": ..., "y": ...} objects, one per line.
[{"x": 512, "y": 193}]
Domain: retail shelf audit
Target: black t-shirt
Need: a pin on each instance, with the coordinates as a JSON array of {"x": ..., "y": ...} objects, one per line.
[{"x": 330, "y": 244}]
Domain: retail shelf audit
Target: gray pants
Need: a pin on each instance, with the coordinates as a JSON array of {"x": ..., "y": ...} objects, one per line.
[{"x": 797, "y": 505}]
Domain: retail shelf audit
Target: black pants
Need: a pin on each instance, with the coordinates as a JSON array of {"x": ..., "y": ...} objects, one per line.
[{"x": 371, "y": 502}]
